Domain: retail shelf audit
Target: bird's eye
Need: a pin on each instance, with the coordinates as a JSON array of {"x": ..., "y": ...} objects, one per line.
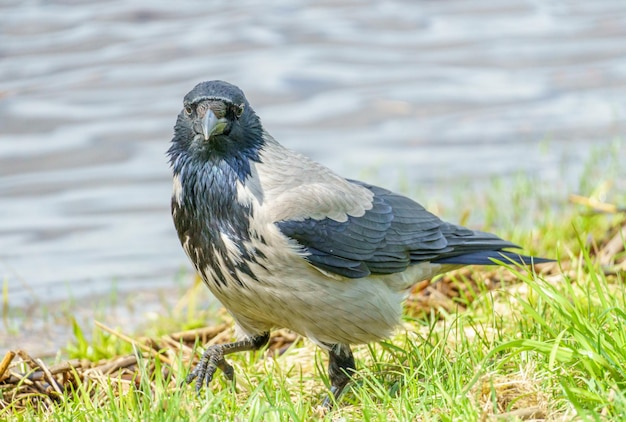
[
  {"x": 188, "y": 110},
  {"x": 238, "y": 111}
]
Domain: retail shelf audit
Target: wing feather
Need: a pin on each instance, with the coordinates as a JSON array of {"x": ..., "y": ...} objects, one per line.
[{"x": 356, "y": 229}]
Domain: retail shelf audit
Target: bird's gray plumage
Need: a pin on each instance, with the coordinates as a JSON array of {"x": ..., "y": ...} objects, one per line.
[{"x": 282, "y": 241}]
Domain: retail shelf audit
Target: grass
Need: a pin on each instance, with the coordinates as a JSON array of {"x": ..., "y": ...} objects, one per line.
[{"x": 479, "y": 344}]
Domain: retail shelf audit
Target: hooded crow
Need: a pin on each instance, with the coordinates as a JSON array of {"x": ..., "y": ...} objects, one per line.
[{"x": 282, "y": 241}]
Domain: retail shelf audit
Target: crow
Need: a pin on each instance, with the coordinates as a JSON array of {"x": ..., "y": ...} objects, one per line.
[{"x": 282, "y": 241}]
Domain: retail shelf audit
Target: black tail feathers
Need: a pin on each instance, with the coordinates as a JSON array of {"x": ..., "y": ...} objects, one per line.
[{"x": 487, "y": 257}]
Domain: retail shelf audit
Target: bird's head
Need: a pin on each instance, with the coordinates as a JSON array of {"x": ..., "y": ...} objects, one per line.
[{"x": 217, "y": 124}]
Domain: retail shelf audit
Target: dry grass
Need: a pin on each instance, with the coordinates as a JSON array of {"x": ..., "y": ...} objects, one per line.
[{"x": 29, "y": 382}]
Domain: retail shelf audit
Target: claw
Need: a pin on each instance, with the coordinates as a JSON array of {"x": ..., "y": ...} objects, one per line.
[
  {"x": 205, "y": 377},
  {"x": 329, "y": 402},
  {"x": 228, "y": 370},
  {"x": 213, "y": 358}
]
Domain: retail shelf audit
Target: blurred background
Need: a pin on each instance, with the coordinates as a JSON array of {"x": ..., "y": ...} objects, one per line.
[{"x": 421, "y": 96}]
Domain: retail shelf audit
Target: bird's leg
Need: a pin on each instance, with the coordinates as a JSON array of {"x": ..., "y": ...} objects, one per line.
[
  {"x": 340, "y": 369},
  {"x": 213, "y": 358}
]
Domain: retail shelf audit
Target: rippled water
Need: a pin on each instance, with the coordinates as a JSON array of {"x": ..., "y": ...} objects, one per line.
[{"x": 439, "y": 91}]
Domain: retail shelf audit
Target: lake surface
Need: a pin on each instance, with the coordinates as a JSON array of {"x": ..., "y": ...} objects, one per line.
[{"x": 433, "y": 92}]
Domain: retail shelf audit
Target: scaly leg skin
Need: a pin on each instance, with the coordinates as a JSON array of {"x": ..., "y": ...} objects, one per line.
[
  {"x": 340, "y": 369},
  {"x": 213, "y": 358}
]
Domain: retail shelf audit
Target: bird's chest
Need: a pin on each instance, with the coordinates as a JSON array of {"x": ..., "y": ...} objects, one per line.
[{"x": 216, "y": 229}]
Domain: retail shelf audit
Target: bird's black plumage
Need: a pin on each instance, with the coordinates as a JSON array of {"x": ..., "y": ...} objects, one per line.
[
  {"x": 282, "y": 241},
  {"x": 208, "y": 208},
  {"x": 395, "y": 233},
  {"x": 204, "y": 214}
]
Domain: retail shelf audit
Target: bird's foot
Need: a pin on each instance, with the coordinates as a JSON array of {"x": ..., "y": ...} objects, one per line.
[
  {"x": 333, "y": 397},
  {"x": 212, "y": 358},
  {"x": 340, "y": 370}
]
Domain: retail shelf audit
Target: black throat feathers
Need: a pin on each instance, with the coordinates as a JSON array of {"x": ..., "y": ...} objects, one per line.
[{"x": 207, "y": 214}]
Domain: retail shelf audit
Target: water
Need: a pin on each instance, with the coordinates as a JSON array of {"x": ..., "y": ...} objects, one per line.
[{"x": 437, "y": 91}]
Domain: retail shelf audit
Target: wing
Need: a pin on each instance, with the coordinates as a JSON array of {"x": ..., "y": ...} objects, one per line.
[{"x": 392, "y": 234}]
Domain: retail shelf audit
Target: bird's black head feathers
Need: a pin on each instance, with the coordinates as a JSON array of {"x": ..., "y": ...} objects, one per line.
[
  {"x": 215, "y": 90},
  {"x": 236, "y": 143}
]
